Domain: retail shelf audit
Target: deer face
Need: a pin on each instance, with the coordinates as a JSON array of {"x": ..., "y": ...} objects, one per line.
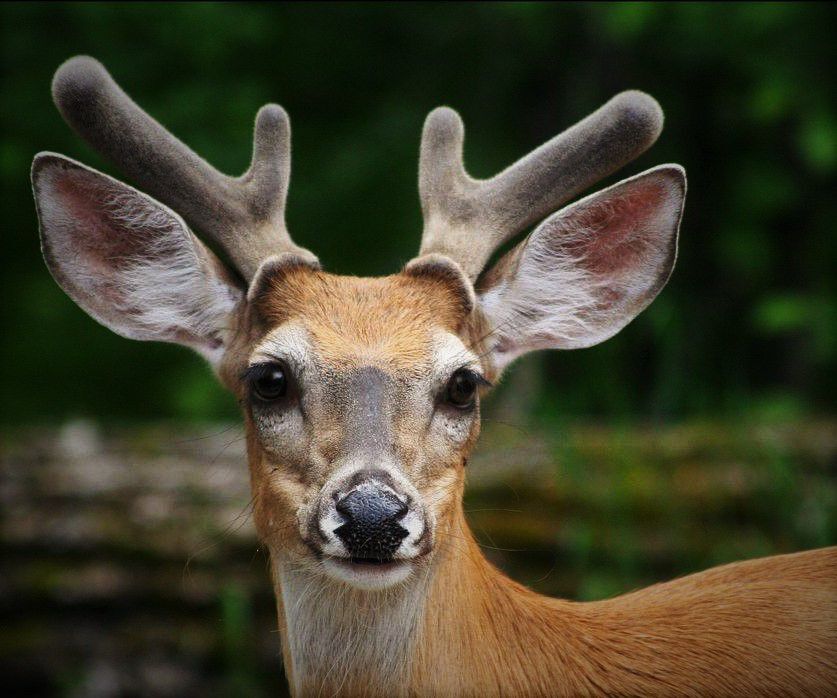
[
  {"x": 361, "y": 402},
  {"x": 361, "y": 396}
]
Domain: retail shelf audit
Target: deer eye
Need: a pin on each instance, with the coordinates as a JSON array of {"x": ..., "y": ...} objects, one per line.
[
  {"x": 268, "y": 382},
  {"x": 462, "y": 389}
]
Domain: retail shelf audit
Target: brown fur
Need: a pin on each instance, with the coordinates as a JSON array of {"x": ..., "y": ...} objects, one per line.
[
  {"x": 763, "y": 627},
  {"x": 344, "y": 313}
]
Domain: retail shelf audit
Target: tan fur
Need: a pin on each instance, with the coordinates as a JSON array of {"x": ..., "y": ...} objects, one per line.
[
  {"x": 387, "y": 316},
  {"x": 764, "y": 627}
]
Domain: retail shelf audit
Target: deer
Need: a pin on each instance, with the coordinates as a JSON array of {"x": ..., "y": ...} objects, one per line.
[{"x": 361, "y": 399}]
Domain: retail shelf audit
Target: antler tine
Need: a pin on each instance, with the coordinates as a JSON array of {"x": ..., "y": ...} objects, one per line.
[
  {"x": 245, "y": 216},
  {"x": 468, "y": 219}
]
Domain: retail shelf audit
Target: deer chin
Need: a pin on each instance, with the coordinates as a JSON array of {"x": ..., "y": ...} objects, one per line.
[{"x": 368, "y": 574}]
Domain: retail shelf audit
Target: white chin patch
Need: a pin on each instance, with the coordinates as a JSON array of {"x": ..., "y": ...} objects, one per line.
[{"x": 368, "y": 576}]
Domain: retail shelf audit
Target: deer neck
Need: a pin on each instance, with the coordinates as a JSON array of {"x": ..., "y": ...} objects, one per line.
[{"x": 340, "y": 640}]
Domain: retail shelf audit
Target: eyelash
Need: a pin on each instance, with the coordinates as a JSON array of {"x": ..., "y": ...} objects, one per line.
[
  {"x": 478, "y": 378},
  {"x": 256, "y": 371}
]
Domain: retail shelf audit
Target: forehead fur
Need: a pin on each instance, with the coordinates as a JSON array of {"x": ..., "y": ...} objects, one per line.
[{"x": 390, "y": 319}]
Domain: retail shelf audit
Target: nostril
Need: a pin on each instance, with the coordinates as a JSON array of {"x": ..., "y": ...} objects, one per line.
[
  {"x": 371, "y": 517},
  {"x": 344, "y": 507}
]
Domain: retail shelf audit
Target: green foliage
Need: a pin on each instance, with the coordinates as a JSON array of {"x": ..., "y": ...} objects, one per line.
[
  {"x": 747, "y": 320},
  {"x": 237, "y": 635}
]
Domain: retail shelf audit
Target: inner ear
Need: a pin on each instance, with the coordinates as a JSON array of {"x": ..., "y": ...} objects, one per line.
[
  {"x": 617, "y": 236},
  {"x": 121, "y": 229},
  {"x": 587, "y": 270},
  {"x": 128, "y": 260}
]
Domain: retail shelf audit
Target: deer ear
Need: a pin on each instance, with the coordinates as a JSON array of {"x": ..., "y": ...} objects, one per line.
[
  {"x": 587, "y": 270},
  {"x": 128, "y": 261}
]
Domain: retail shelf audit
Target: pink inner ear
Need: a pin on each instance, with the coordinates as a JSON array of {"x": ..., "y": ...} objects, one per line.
[
  {"x": 615, "y": 234},
  {"x": 101, "y": 231},
  {"x": 81, "y": 195},
  {"x": 108, "y": 222},
  {"x": 129, "y": 261}
]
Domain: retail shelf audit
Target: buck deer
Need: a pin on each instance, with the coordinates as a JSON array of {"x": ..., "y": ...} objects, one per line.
[{"x": 361, "y": 400}]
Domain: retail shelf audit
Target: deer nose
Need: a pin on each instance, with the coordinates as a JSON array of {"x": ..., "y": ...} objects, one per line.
[{"x": 371, "y": 530}]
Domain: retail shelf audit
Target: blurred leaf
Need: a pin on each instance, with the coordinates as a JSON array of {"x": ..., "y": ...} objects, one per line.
[
  {"x": 783, "y": 313},
  {"x": 818, "y": 142},
  {"x": 627, "y": 20},
  {"x": 773, "y": 99}
]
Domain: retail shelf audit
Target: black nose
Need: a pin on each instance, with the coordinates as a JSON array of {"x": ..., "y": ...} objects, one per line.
[{"x": 371, "y": 531}]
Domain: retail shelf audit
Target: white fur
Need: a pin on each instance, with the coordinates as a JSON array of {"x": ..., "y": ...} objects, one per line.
[
  {"x": 449, "y": 355},
  {"x": 335, "y": 630},
  {"x": 170, "y": 284},
  {"x": 169, "y": 290},
  {"x": 290, "y": 343},
  {"x": 550, "y": 300}
]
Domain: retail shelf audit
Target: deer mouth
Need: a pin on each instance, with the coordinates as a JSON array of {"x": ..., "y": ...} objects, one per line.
[
  {"x": 371, "y": 562},
  {"x": 369, "y": 572},
  {"x": 368, "y": 561}
]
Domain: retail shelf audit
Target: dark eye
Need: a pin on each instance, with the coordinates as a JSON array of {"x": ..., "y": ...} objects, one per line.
[
  {"x": 462, "y": 389},
  {"x": 269, "y": 381}
]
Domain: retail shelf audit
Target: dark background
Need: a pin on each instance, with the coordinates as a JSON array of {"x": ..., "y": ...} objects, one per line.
[
  {"x": 746, "y": 323},
  {"x": 704, "y": 433}
]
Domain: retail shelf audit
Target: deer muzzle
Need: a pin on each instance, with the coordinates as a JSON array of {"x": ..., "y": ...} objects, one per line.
[
  {"x": 371, "y": 525},
  {"x": 372, "y": 531}
]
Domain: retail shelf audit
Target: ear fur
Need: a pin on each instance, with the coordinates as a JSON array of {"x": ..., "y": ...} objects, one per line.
[
  {"x": 587, "y": 270},
  {"x": 274, "y": 267},
  {"x": 438, "y": 266},
  {"x": 129, "y": 261}
]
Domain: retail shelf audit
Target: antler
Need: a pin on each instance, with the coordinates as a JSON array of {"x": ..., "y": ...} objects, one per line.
[
  {"x": 467, "y": 219},
  {"x": 244, "y": 215}
]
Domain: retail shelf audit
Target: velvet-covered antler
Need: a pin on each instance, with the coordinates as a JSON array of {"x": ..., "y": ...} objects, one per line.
[
  {"x": 245, "y": 216},
  {"x": 467, "y": 219}
]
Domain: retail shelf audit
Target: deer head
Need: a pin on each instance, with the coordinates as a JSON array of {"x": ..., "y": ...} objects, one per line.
[{"x": 361, "y": 396}]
